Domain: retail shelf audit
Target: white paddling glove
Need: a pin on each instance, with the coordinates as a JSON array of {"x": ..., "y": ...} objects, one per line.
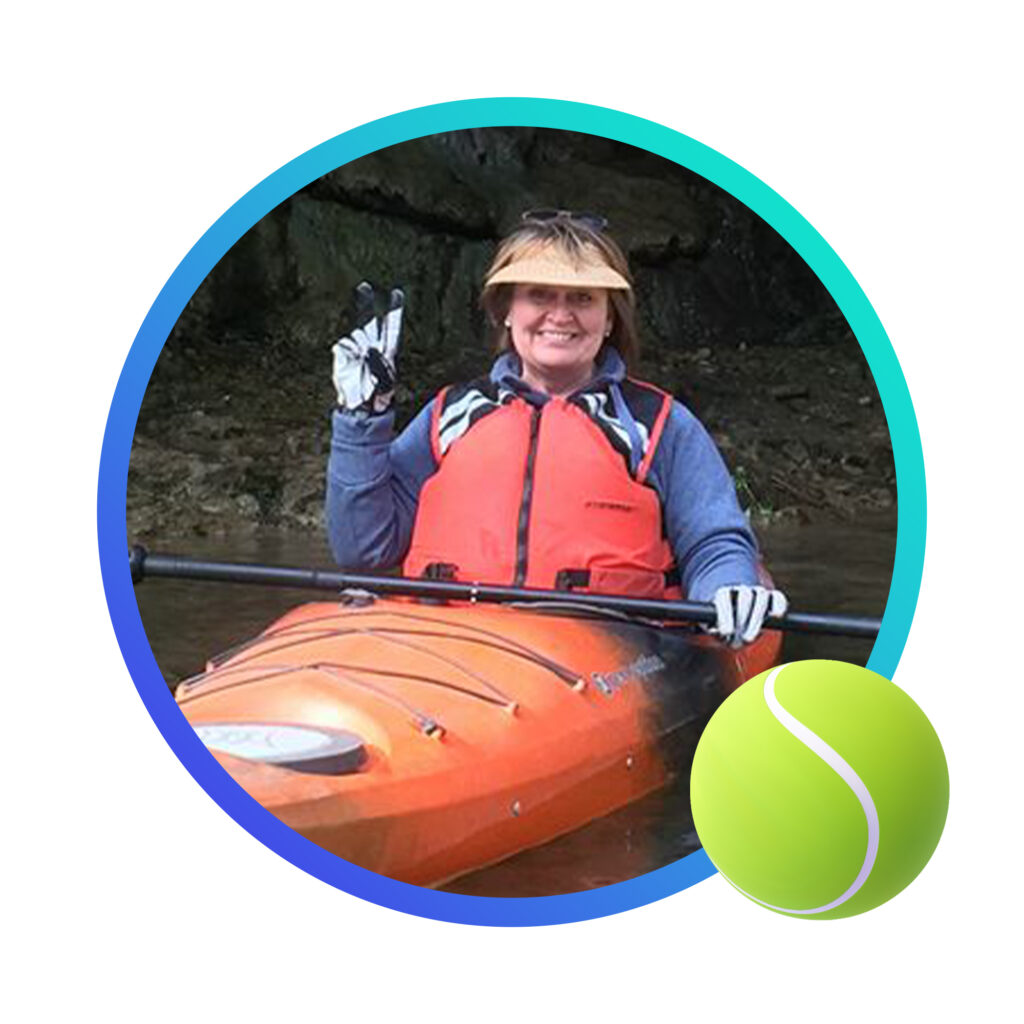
[
  {"x": 741, "y": 612},
  {"x": 364, "y": 361}
]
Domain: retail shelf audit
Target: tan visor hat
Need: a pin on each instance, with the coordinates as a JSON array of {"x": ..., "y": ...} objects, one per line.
[{"x": 549, "y": 264}]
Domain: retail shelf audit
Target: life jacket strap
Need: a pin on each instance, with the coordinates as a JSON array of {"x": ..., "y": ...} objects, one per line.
[
  {"x": 573, "y": 579},
  {"x": 440, "y": 571}
]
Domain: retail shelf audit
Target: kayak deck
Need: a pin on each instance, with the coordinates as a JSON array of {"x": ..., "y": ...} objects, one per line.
[{"x": 458, "y": 736}]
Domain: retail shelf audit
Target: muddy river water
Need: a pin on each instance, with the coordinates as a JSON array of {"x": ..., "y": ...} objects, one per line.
[{"x": 829, "y": 568}]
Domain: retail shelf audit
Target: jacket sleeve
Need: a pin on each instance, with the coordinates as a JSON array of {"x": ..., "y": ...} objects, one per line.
[
  {"x": 705, "y": 526},
  {"x": 373, "y": 487}
]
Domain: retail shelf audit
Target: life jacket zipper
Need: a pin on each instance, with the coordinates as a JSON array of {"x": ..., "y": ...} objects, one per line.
[{"x": 523, "y": 525}]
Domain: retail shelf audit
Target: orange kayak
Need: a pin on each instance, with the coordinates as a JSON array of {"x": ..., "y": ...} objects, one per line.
[{"x": 424, "y": 741}]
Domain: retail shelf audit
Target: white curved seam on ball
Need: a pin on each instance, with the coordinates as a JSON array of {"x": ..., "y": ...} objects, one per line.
[{"x": 842, "y": 768}]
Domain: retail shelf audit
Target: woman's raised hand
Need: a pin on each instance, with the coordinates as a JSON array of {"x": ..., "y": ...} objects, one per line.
[{"x": 364, "y": 361}]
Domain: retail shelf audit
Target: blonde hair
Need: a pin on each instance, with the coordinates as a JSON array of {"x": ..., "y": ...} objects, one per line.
[{"x": 577, "y": 242}]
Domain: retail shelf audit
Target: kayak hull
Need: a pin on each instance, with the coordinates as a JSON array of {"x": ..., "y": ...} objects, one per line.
[{"x": 481, "y": 731}]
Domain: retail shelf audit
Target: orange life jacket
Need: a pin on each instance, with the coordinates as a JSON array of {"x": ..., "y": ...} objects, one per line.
[{"x": 550, "y": 496}]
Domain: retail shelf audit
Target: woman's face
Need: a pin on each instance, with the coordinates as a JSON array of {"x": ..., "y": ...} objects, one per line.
[{"x": 557, "y": 332}]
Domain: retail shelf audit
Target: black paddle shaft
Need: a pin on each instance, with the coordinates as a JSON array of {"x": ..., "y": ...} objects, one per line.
[{"x": 146, "y": 565}]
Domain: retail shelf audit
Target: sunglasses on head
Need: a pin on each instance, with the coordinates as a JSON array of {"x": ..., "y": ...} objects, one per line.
[{"x": 593, "y": 221}]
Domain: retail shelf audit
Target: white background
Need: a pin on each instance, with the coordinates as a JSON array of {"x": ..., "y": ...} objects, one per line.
[{"x": 129, "y": 129}]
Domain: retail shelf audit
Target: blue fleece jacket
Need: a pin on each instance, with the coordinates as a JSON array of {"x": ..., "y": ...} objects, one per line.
[{"x": 374, "y": 481}]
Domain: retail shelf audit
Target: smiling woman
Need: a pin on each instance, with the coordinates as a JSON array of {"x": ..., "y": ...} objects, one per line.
[
  {"x": 557, "y": 470},
  {"x": 557, "y": 333}
]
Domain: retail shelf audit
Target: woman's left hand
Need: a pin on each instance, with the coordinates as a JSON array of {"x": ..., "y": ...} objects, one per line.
[{"x": 741, "y": 612}]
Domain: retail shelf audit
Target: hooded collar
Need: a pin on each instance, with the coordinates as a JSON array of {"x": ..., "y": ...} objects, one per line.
[{"x": 507, "y": 373}]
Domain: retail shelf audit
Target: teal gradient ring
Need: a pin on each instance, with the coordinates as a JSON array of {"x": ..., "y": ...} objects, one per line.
[{"x": 204, "y": 255}]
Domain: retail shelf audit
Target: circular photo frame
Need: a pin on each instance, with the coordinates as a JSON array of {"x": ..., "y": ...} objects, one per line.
[{"x": 222, "y": 235}]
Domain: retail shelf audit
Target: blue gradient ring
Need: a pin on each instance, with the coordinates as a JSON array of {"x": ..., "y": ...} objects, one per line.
[{"x": 131, "y": 387}]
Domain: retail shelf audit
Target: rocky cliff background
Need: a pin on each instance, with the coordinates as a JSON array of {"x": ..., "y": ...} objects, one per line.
[{"x": 233, "y": 433}]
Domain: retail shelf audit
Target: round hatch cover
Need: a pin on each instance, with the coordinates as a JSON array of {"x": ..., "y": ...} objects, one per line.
[{"x": 302, "y": 748}]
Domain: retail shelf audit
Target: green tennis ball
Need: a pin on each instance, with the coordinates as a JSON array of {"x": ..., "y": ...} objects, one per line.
[{"x": 819, "y": 789}]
